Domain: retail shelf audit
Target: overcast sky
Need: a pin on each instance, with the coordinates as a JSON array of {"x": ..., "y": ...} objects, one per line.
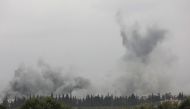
[{"x": 84, "y": 34}]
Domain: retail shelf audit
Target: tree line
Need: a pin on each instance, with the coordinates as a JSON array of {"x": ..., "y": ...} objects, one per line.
[{"x": 98, "y": 100}]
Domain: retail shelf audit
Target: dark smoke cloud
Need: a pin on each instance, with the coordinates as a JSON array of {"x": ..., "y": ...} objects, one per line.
[
  {"x": 139, "y": 44},
  {"x": 144, "y": 69},
  {"x": 44, "y": 80}
]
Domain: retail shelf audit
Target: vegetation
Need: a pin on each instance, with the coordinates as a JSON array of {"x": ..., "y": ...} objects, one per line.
[
  {"x": 105, "y": 101},
  {"x": 2, "y": 106},
  {"x": 43, "y": 103},
  {"x": 145, "y": 106},
  {"x": 168, "y": 105},
  {"x": 185, "y": 104},
  {"x": 166, "y": 101}
]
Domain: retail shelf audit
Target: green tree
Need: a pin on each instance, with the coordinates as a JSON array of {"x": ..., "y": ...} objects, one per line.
[
  {"x": 144, "y": 106},
  {"x": 2, "y": 107},
  {"x": 43, "y": 103},
  {"x": 185, "y": 104},
  {"x": 168, "y": 105}
]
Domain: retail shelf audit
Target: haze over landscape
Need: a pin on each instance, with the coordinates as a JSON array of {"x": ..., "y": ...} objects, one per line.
[{"x": 94, "y": 46}]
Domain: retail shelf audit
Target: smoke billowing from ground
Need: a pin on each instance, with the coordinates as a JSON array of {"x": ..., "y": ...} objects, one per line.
[
  {"x": 144, "y": 68},
  {"x": 44, "y": 80},
  {"x": 145, "y": 63}
]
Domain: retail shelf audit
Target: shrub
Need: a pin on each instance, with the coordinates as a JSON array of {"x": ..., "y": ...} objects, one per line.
[
  {"x": 168, "y": 105},
  {"x": 43, "y": 103},
  {"x": 185, "y": 104},
  {"x": 2, "y": 107}
]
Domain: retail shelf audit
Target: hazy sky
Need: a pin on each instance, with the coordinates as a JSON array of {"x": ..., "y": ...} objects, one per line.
[{"x": 84, "y": 35}]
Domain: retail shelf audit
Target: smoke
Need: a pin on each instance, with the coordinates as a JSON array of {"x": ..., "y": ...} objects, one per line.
[
  {"x": 44, "y": 80},
  {"x": 145, "y": 65},
  {"x": 139, "y": 46},
  {"x": 144, "y": 68}
]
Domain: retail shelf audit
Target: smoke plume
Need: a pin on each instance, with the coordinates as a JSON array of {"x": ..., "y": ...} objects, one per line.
[
  {"x": 44, "y": 80},
  {"x": 145, "y": 63}
]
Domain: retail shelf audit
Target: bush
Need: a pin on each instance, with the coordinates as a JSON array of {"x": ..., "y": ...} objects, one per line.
[
  {"x": 2, "y": 107},
  {"x": 144, "y": 106},
  {"x": 43, "y": 103},
  {"x": 168, "y": 105},
  {"x": 185, "y": 104}
]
